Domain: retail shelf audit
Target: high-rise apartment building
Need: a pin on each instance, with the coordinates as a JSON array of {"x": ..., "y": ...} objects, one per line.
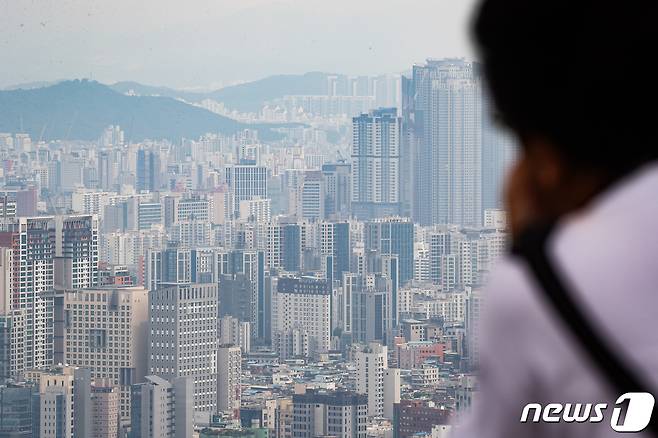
[
  {"x": 255, "y": 210},
  {"x": 393, "y": 236},
  {"x": 335, "y": 248},
  {"x": 472, "y": 325},
  {"x": 229, "y": 371},
  {"x": 89, "y": 202},
  {"x": 443, "y": 114},
  {"x": 311, "y": 197},
  {"x": 284, "y": 246},
  {"x": 368, "y": 307},
  {"x": 376, "y": 381},
  {"x": 376, "y": 164},
  {"x": 76, "y": 251},
  {"x": 104, "y": 330},
  {"x": 301, "y": 319},
  {"x": 13, "y": 335},
  {"x": 183, "y": 338},
  {"x": 246, "y": 182},
  {"x": 32, "y": 244}
]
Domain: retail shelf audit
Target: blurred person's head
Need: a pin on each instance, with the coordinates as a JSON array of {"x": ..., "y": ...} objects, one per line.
[{"x": 574, "y": 80}]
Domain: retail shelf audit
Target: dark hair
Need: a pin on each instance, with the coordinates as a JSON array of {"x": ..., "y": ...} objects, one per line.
[{"x": 578, "y": 73}]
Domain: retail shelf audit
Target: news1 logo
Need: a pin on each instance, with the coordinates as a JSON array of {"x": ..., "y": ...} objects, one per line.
[{"x": 631, "y": 412}]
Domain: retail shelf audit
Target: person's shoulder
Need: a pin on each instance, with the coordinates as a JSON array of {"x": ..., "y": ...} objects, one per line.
[
  {"x": 510, "y": 295},
  {"x": 510, "y": 282}
]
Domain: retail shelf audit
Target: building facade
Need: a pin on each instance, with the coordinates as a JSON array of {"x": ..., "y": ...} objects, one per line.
[
  {"x": 376, "y": 164},
  {"x": 183, "y": 338},
  {"x": 106, "y": 331}
]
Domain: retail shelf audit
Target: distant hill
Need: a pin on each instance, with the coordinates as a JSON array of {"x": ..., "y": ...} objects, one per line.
[
  {"x": 81, "y": 109},
  {"x": 248, "y": 97},
  {"x": 31, "y": 85}
]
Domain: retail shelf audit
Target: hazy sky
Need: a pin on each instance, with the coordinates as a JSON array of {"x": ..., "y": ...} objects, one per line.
[{"x": 207, "y": 43}]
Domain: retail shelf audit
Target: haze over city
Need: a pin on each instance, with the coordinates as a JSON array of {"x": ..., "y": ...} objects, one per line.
[{"x": 211, "y": 43}]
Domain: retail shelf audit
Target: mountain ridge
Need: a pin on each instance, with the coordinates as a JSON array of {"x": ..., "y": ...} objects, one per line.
[
  {"x": 246, "y": 97},
  {"x": 80, "y": 109}
]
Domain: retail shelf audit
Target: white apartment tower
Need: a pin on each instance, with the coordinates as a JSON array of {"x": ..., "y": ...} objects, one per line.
[
  {"x": 183, "y": 339},
  {"x": 375, "y": 380},
  {"x": 246, "y": 182},
  {"x": 443, "y": 124},
  {"x": 376, "y": 164},
  {"x": 32, "y": 244},
  {"x": 301, "y": 316}
]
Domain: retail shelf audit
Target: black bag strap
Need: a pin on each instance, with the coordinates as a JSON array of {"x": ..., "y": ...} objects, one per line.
[{"x": 531, "y": 246}]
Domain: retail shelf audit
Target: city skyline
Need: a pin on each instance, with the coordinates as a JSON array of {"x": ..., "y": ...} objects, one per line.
[{"x": 293, "y": 257}]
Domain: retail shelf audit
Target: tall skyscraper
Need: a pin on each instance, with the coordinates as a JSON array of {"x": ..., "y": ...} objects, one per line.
[
  {"x": 105, "y": 174},
  {"x": 376, "y": 164},
  {"x": 148, "y": 214},
  {"x": 443, "y": 113},
  {"x": 183, "y": 338}
]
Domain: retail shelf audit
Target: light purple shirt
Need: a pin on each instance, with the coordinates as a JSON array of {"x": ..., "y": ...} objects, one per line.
[{"x": 608, "y": 254}]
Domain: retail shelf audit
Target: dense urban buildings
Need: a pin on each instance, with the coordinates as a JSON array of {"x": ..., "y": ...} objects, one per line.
[{"x": 320, "y": 279}]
